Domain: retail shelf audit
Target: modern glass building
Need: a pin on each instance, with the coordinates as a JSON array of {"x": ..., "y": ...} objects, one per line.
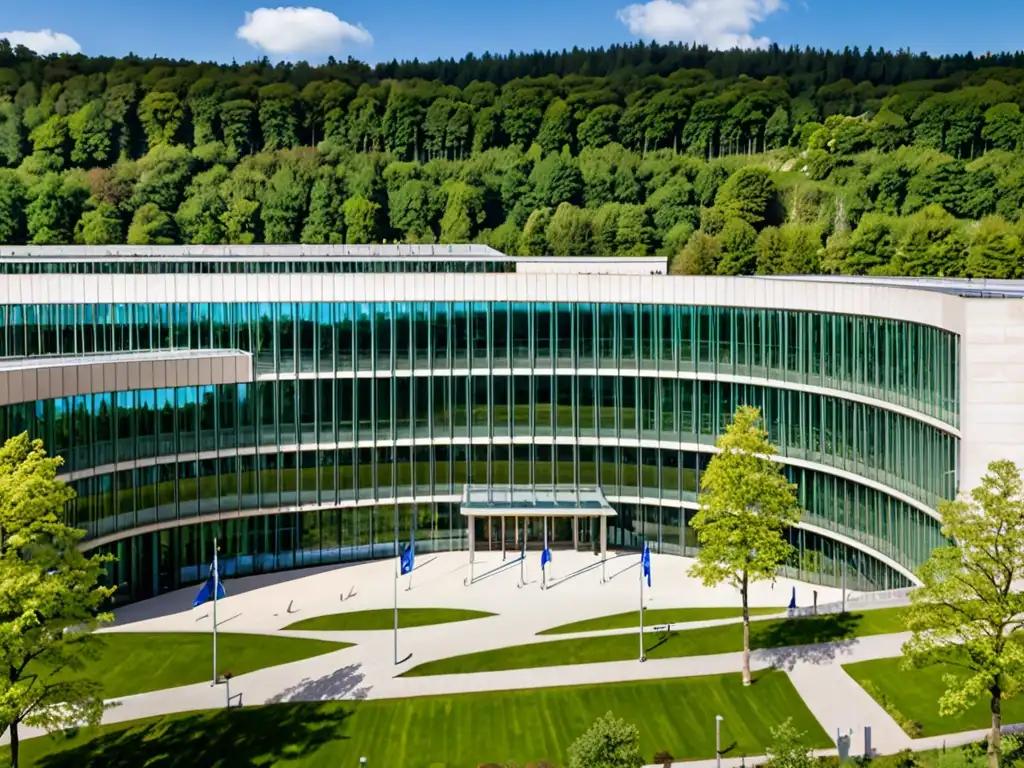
[{"x": 293, "y": 401}]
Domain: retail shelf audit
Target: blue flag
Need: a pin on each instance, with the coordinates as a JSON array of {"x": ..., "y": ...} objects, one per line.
[
  {"x": 212, "y": 583},
  {"x": 645, "y": 563},
  {"x": 792, "y": 600},
  {"x": 545, "y": 557},
  {"x": 408, "y": 558}
]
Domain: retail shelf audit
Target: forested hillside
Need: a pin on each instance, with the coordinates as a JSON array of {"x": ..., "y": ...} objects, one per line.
[{"x": 731, "y": 162}]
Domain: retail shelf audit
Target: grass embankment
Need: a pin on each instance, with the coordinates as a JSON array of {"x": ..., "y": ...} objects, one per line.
[
  {"x": 137, "y": 662},
  {"x": 705, "y": 641},
  {"x": 655, "y": 616},
  {"x": 453, "y": 731},
  {"x": 384, "y": 618},
  {"x": 913, "y": 695}
]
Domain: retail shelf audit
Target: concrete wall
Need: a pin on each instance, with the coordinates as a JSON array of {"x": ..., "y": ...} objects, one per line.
[{"x": 992, "y": 386}]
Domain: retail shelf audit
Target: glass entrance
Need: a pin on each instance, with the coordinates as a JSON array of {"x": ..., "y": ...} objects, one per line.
[{"x": 563, "y": 533}]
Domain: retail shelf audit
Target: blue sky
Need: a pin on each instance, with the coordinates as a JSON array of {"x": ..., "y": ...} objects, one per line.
[{"x": 375, "y": 31}]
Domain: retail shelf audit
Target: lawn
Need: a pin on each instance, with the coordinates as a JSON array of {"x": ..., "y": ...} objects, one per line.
[
  {"x": 384, "y": 618},
  {"x": 915, "y": 693},
  {"x": 653, "y": 617},
  {"x": 136, "y": 662},
  {"x": 662, "y": 645},
  {"x": 453, "y": 731}
]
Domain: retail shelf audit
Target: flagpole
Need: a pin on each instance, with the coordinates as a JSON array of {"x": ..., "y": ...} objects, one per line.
[
  {"x": 398, "y": 558},
  {"x": 642, "y": 657},
  {"x": 216, "y": 585},
  {"x": 544, "y": 568}
]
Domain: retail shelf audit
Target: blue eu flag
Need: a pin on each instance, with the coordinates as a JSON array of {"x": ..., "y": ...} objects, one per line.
[
  {"x": 211, "y": 586},
  {"x": 545, "y": 557},
  {"x": 408, "y": 558},
  {"x": 645, "y": 563}
]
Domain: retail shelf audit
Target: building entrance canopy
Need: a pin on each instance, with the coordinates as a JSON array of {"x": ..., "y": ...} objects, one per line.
[
  {"x": 556, "y": 509},
  {"x": 534, "y": 501}
]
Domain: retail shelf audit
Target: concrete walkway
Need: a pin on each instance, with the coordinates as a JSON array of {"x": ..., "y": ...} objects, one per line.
[{"x": 267, "y": 604}]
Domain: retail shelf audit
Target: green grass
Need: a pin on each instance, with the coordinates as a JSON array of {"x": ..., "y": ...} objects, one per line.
[
  {"x": 653, "y": 617},
  {"x": 915, "y": 693},
  {"x": 136, "y": 662},
  {"x": 384, "y": 618},
  {"x": 692, "y": 642},
  {"x": 454, "y": 731}
]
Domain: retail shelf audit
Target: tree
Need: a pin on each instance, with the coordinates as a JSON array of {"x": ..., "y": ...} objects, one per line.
[
  {"x": 534, "y": 240},
  {"x": 967, "y": 614},
  {"x": 556, "y": 127},
  {"x": 12, "y": 207},
  {"x": 162, "y": 115},
  {"x": 151, "y": 226},
  {"x": 770, "y": 249},
  {"x": 360, "y": 219},
  {"x": 699, "y": 257},
  {"x": 737, "y": 239},
  {"x": 50, "y": 602},
  {"x": 777, "y": 130},
  {"x": 325, "y": 223},
  {"x": 278, "y": 116},
  {"x": 600, "y": 127},
  {"x": 609, "y": 743},
  {"x": 569, "y": 233},
  {"x": 788, "y": 749},
  {"x": 994, "y": 250},
  {"x": 1004, "y": 128},
  {"x": 91, "y": 131},
  {"x": 746, "y": 505},
  {"x": 101, "y": 226},
  {"x": 748, "y": 194}
]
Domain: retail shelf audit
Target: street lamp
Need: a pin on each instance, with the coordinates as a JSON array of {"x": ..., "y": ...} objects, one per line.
[{"x": 718, "y": 741}]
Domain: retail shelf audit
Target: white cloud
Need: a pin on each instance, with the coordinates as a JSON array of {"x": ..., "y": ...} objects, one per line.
[
  {"x": 286, "y": 31},
  {"x": 43, "y": 41},
  {"x": 720, "y": 24}
]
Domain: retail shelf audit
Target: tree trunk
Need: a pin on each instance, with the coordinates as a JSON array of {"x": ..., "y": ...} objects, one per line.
[
  {"x": 746, "y": 635},
  {"x": 993, "y": 738},
  {"x": 14, "y": 744}
]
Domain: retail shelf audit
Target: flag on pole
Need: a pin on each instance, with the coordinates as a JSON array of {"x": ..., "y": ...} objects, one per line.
[
  {"x": 545, "y": 557},
  {"x": 645, "y": 563},
  {"x": 408, "y": 558},
  {"x": 212, "y": 586}
]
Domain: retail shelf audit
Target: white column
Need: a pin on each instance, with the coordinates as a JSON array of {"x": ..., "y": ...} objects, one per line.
[
  {"x": 604, "y": 544},
  {"x": 472, "y": 545}
]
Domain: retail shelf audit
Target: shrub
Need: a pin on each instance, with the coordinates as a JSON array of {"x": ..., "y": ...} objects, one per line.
[
  {"x": 910, "y": 727},
  {"x": 608, "y": 743},
  {"x": 663, "y": 758}
]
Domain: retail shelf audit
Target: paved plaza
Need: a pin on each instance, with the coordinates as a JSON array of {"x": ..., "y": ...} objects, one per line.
[{"x": 575, "y": 591}]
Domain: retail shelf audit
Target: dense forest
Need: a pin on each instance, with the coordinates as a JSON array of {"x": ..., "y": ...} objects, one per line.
[{"x": 773, "y": 161}]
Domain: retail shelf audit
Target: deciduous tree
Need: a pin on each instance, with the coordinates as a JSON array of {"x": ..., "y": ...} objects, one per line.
[
  {"x": 967, "y": 613},
  {"x": 51, "y": 600},
  {"x": 610, "y": 742},
  {"x": 746, "y": 505}
]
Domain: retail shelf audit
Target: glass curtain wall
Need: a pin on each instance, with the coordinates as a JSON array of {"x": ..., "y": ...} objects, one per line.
[{"x": 383, "y": 401}]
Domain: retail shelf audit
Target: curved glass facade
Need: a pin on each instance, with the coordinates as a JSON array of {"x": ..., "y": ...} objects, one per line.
[{"x": 358, "y": 407}]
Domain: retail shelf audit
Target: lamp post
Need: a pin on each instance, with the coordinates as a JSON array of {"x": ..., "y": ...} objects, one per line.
[{"x": 718, "y": 741}]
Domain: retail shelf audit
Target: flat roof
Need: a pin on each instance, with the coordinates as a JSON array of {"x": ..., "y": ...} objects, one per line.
[
  {"x": 982, "y": 287},
  {"x": 535, "y": 501},
  {"x": 243, "y": 252}
]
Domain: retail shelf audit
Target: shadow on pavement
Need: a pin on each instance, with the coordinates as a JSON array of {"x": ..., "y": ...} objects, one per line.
[
  {"x": 343, "y": 683},
  {"x": 247, "y": 736},
  {"x": 180, "y": 600},
  {"x": 817, "y": 640}
]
